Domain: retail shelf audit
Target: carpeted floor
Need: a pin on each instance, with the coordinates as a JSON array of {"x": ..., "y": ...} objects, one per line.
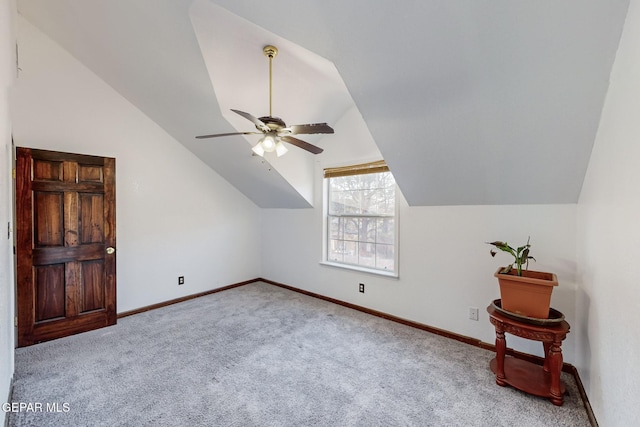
[{"x": 259, "y": 355}]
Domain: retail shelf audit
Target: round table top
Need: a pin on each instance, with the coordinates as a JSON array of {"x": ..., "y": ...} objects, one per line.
[{"x": 558, "y": 327}]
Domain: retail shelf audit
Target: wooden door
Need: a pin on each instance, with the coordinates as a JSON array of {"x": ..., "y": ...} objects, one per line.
[{"x": 65, "y": 244}]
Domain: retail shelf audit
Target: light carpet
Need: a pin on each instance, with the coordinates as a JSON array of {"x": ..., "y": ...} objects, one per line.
[{"x": 260, "y": 355}]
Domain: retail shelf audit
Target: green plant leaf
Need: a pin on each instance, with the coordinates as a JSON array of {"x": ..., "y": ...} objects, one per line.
[
  {"x": 506, "y": 270},
  {"x": 503, "y": 246}
]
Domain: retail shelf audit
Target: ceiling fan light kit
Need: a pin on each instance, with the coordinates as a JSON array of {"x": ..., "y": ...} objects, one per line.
[
  {"x": 281, "y": 149},
  {"x": 274, "y": 129},
  {"x": 258, "y": 149},
  {"x": 269, "y": 144}
]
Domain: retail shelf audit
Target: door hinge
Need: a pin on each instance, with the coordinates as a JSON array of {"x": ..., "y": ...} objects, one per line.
[
  {"x": 15, "y": 321},
  {"x": 13, "y": 173}
]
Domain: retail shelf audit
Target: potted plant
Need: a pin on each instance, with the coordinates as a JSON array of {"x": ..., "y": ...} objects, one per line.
[{"x": 526, "y": 293}]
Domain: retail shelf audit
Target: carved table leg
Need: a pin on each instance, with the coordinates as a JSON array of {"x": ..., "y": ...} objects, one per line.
[
  {"x": 547, "y": 346},
  {"x": 501, "y": 346},
  {"x": 555, "y": 366}
]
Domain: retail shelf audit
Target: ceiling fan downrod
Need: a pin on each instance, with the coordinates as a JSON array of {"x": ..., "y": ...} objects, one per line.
[{"x": 270, "y": 52}]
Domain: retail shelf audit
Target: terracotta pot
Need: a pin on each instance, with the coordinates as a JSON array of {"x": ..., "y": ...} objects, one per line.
[{"x": 527, "y": 295}]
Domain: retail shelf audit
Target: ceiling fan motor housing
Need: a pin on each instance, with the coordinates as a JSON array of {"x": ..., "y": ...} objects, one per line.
[{"x": 273, "y": 123}]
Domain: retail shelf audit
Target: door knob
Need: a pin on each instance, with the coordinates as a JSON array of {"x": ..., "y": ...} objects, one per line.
[{"x": 110, "y": 250}]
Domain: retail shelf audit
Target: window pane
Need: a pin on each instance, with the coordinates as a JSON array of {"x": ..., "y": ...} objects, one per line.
[
  {"x": 367, "y": 229},
  {"x": 385, "y": 230},
  {"x": 367, "y": 254},
  {"x": 336, "y": 202},
  {"x": 351, "y": 252},
  {"x": 335, "y": 250},
  {"x": 387, "y": 203},
  {"x": 336, "y": 230},
  {"x": 385, "y": 257},
  {"x": 350, "y": 228}
]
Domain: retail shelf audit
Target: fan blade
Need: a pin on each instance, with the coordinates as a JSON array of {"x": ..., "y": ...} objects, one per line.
[
  {"x": 300, "y": 143},
  {"x": 259, "y": 124},
  {"x": 227, "y": 134},
  {"x": 310, "y": 128}
]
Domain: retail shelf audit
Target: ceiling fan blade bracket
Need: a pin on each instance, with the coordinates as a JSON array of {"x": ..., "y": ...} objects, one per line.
[{"x": 260, "y": 125}]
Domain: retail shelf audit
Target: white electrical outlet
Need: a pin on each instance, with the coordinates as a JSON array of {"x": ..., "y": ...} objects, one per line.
[{"x": 473, "y": 313}]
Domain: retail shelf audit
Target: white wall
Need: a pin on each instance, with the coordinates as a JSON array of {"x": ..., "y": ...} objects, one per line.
[
  {"x": 175, "y": 216},
  {"x": 609, "y": 235},
  {"x": 7, "y": 73},
  {"x": 445, "y": 266}
]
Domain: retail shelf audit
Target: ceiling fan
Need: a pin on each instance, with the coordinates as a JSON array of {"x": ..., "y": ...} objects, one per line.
[{"x": 274, "y": 129}]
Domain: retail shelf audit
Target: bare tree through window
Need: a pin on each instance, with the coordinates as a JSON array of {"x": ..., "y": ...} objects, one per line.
[{"x": 361, "y": 220}]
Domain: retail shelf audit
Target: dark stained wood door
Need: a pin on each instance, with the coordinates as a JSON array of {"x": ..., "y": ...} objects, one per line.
[{"x": 65, "y": 244}]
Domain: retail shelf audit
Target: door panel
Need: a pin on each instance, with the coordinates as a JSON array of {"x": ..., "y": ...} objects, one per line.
[
  {"x": 91, "y": 213},
  {"x": 50, "y": 292},
  {"x": 65, "y": 205},
  {"x": 48, "y": 219},
  {"x": 91, "y": 286}
]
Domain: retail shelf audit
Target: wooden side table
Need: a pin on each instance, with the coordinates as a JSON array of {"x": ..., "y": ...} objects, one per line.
[{"x": 526, "y": 376}]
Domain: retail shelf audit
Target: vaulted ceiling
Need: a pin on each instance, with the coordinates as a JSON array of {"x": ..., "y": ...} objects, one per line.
[{"x": 468, "y": 102}]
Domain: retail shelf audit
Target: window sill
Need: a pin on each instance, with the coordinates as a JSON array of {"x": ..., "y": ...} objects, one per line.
[{"x": 361, "y": 269}]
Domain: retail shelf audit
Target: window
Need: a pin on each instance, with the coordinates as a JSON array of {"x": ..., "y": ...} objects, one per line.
[{"x": 361, "y": 223}]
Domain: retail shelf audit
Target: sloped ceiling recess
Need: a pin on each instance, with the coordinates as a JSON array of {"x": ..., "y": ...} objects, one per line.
[
  {"x": 306, "y": 87},
  {"x": 469, "y": 102}
]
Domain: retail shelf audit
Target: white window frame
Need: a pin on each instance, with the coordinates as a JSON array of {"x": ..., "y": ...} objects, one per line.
[{"x": 355, "y": 267}]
